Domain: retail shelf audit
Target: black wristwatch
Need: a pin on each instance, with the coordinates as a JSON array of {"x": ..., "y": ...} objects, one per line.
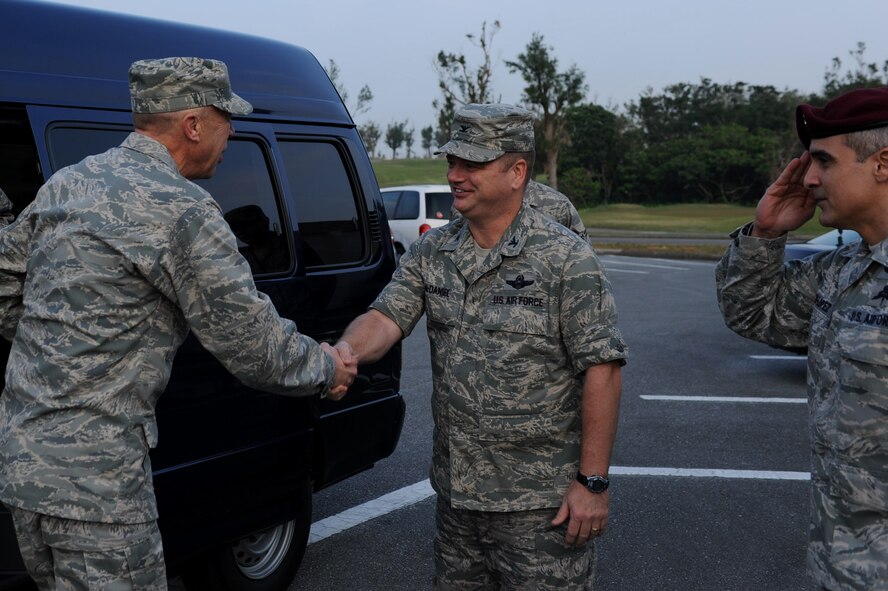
[{"x": 596, "y": 484}]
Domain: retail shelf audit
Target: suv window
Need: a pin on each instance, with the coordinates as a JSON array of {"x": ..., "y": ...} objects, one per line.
[
  {"x": 242, "y": 187},
  {"x": 390, "y": 201},
  {"x": 326, "y": 209},
  {"x": 408, "y": 206},
  {"x": 438, "y": 205},
  {"x": 244, "y": 190}
]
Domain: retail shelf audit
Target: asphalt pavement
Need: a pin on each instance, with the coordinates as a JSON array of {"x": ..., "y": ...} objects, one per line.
[{"x": 709, "y": 489}]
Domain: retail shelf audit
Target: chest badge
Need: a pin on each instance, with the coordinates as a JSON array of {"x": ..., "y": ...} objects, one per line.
[
  {"x": 882, "y": 295},
  {"x": 519, "y": 281}
]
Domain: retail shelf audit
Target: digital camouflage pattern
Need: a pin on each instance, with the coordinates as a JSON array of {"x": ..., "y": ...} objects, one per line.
[
  {"x": 557, "y": 206},
  {"x": 469, "y": 547},
  {"x": 179, "y": 83},
  {"x": 510, "y": 336},
  {"x": 484, "y": 132},
  {"x": 116, "y": 258},
  {"x": 62, "y": 554},
  {"x": 6, "y": 214},
  {"x": 836, "y": 303}
]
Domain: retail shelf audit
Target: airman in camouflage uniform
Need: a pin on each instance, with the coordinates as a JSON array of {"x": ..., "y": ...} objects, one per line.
[
  {"x": 836, "y": 304},
  {"x": 556, "y": 205},
  {"x": 6, "y": 214},
  {"x": 526, "y": 360},
  {"x": 104, "y": 273}
]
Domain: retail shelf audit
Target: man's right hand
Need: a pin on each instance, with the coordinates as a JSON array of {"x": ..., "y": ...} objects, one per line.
[
  {"x": 787, "y": 204},
  {"x": 346, "y": 370}
]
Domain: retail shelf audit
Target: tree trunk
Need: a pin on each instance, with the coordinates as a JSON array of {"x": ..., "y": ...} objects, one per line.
[{"x": 552, "y": 167}]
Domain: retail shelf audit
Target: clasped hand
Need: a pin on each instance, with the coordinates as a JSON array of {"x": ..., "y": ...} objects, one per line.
[{"x": 346, "y": 368}]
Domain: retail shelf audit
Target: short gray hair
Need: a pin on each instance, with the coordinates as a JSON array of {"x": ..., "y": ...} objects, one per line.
[{"x": 867, "y": 142}]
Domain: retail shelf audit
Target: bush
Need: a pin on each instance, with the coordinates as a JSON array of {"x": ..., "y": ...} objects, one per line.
[{"x": 580, "y": 185}]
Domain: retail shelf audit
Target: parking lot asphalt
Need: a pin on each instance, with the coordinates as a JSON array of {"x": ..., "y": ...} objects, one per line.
[{"x": 709, "y": 490}]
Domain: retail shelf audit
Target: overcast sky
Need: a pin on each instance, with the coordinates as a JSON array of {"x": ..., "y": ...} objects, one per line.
[{"x": 623, "y": 46}]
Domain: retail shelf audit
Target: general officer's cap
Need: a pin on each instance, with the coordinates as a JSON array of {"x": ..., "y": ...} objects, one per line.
[
  {"x": 484, "y": 132},
  {"x": 179, "y": 83}
]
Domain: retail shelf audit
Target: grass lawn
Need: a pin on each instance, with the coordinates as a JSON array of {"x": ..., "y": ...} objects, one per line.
[
  {"x": 694, "y": 218},
  {"x": 685, "y": 218},
  {"x": 416, "y": 171}
]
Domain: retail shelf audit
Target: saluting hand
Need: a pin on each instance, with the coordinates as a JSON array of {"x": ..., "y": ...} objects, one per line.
[{"x": 787, "y": 204}]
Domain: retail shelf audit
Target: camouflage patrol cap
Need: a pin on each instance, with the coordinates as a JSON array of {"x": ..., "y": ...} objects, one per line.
[
  {"x": 178, "y": 83},
  {"x": 481, "y": 133}
]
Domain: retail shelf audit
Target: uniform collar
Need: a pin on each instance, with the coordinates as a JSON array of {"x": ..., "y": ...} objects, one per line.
[
  {"x": 879, "y": 252},
  {"x": 462, "y": 250},
  {"x": 151, "y": 148}
]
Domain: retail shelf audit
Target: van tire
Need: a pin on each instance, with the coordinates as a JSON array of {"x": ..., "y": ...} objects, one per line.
[{"x": 265, "y": 561}]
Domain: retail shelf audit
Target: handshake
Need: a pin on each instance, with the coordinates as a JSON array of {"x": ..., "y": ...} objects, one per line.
[{"x": 346, "y": 368}]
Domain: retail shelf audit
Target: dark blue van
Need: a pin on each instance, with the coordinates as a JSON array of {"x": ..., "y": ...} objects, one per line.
[{"x": 234, "y": 469}]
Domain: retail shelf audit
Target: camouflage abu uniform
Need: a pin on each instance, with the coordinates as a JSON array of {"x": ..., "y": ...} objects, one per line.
[
  {"x": 6, "y": 215},
  {"x": 109, "y": 267},
  {"x": 837, "y": 304},
  {"x": 556, "y": 205},
  {"x": 509, "y": 337}
]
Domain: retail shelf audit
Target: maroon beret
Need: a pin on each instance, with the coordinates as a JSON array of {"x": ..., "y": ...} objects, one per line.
[{"x": 856, "y": 110}]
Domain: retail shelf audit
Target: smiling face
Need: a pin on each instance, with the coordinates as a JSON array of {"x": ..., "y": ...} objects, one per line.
[{"x": 485, "y": 190}]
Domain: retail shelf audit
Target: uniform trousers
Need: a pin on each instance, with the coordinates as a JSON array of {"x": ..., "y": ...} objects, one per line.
[
  {"x": 508, "y": 551},
  {"x": 69, "y": 555}
]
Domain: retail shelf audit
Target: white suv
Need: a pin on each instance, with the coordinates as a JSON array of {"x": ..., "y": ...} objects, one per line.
[{"x": 415, "y": 209}]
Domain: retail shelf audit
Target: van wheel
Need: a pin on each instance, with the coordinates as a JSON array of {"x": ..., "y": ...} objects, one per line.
[{"x": 265, "y": 561}]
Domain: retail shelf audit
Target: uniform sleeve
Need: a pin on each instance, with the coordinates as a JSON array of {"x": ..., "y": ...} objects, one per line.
[
  {"x": 575, "y": 223},
  {"x": 762, "y": 298},
  {"x": 403, "y": 299},
  {"x": 232, "y": 320},
  {"x": 15, "y": 248},
  {"x": 588, "y": 314},
  {"x": 6, "y": 214}
]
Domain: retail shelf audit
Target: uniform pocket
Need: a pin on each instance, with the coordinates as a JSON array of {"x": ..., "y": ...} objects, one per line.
[{"x": 862, "y": 403}]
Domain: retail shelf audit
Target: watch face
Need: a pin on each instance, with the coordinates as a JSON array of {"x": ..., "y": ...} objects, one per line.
[{"x": 598, "y": 484}]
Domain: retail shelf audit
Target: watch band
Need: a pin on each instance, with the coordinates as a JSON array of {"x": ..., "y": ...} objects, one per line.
[{"x": 596, "y": 484}]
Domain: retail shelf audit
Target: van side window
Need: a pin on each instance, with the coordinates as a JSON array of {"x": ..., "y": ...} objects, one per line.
[
  {"x": 20, "y": 174},
  {"x": 390, "y": 202},
  {"x": 326, "y": 210},
  {"x": 408, "y": 206},
  {"x": 70, "y": 144},
  {"x": 243, "y": 188}
]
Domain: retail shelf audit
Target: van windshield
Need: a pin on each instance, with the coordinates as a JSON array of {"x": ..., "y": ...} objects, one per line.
[{"x": 438, "y": 205}]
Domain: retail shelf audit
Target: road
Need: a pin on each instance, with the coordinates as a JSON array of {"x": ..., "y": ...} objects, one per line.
[{"x": 709, "y": 488}]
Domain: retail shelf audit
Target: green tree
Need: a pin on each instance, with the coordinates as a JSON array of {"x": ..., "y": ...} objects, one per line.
[
  {"x": 409, "y": 138},
  {"x": 395, "y": 135},
  {"x": 365, "y": 95},
  {"x": 861, "y": 75},
  {"x": 598, "y": 144},
  {"x": 550, "y": 93},
  {"x": 459, "y": 83},
  {"x": 428, "y": 136},
  {"x": 370, "y": 134}
]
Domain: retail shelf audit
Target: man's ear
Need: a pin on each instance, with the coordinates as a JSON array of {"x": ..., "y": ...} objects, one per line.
[
  {"x": 519, "y": 173},
  {"x": 190, "y": 124}
]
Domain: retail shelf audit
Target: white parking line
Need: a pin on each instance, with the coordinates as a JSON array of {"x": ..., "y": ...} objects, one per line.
[
  {"x": 610, "y": 269},
  {"x": 410, "y": 495},
  {"x": 349, "y": 518},
  {"x": 780, "y": 357},
  {"x": 723, "y": 399},
  {"x": 709, "y": 473},
  {"x": 652, "y": 266}
]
